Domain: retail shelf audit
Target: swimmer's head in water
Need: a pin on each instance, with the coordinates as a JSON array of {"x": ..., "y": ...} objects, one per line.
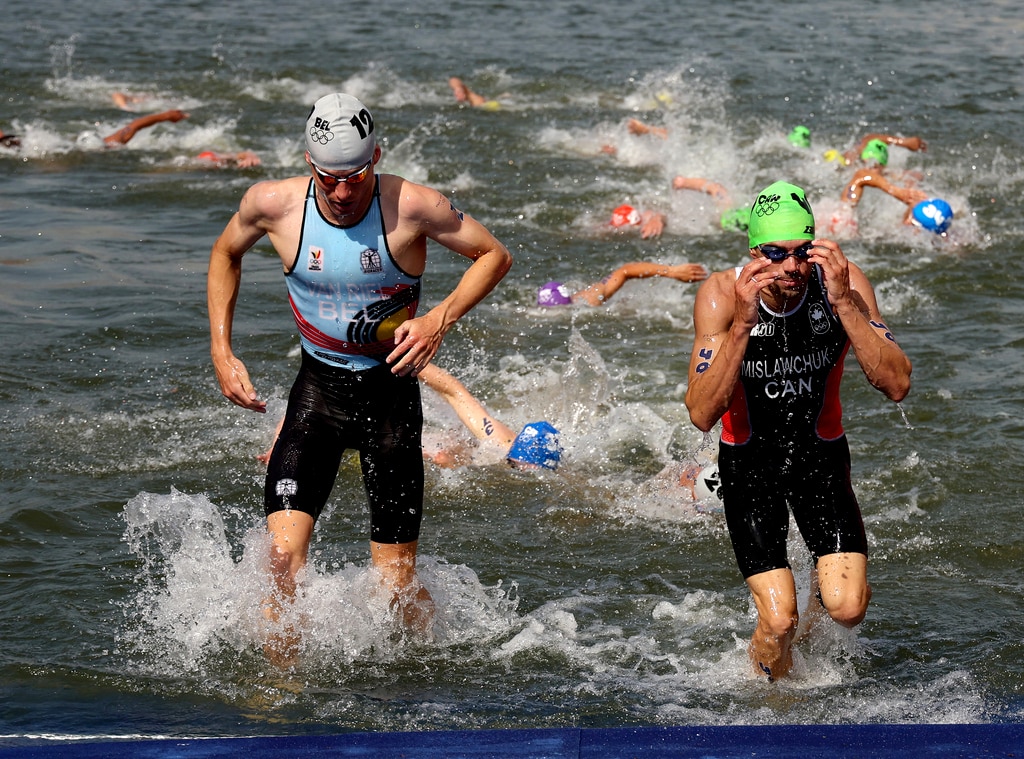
[
  {"x": 800, "y": 136},
  {"x": 536, "y": 445},
  {"x": 875, "y": 151},
  {"x": 553, "y": 294},
  {"x": 935, "y": 215},
  {"x": 339, "y": 133},
  {"x": 834, "y": 156},
  {"x": 735, "y": 220},
  {"x": 708, "y": 484},
  {"x": 625, "y": 215},
  {"x": 780, "y": 212}
]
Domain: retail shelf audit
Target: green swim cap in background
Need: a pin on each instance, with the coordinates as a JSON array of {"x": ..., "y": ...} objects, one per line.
[
  {"x": 735, "y": 220},
  {"x": 800, "y": 136},
  {"x": 780, "y": 212},
  {"x": 876, "y": 151}
]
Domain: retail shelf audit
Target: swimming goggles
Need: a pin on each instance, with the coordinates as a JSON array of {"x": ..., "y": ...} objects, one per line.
[
  {"x": 330, "y": 181},
  {"x": 775, "y": 253}
]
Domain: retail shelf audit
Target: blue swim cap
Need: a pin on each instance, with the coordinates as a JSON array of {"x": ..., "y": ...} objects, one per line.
[
  {"x": 935, "y": 215},
  {"x": 537, "y": 444},
  {"x": 553, "y": 294}
]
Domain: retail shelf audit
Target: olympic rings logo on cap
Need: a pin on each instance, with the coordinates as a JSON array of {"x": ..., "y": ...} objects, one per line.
[
  {"x": 323, "y": 136},
  {"x": 767, "y": 204}
]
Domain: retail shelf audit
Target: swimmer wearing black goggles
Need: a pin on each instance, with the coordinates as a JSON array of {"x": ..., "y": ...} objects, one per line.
[{"x": 776, "y": 253}]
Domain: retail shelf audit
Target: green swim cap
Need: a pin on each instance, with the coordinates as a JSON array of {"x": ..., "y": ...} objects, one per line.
[
  {"x": 780, "y": 212},
  {"x": 735, "y": 220},
  {"x": 876, "y": 151},
  {"x": 800, "y": 136}
]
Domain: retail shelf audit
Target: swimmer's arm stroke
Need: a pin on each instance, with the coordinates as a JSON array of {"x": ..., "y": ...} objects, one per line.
[{"x": 471, "y": 412}]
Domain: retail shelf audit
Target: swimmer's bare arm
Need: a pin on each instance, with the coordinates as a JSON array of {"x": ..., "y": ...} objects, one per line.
[
  {"x": 123, "y": 135},
  {"x": 862, "y": 178},
  {"x": 910, "y": 143},
  {"x": 425, "y": 213},
  {"x": 600, "y": 292},
  {"x": 881, "y": 359},
  {"x": 652, "y": 224},
  {"x": 262, "y": 211},
  {"x": 698, "y": 184},
  {"x": 473, "y": 414},
  {"x": 724, "y": 312},
  {"x": 914, "y": 142}
]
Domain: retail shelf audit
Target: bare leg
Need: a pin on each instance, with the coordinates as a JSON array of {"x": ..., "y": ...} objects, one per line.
[
  {"x": 771, "y": 645},
  {"x": 845, "y": 593},
  {"x": 290, "y": 533},
  {"x": 396, "y": 563},
  {"x": 814, "y": 613}
]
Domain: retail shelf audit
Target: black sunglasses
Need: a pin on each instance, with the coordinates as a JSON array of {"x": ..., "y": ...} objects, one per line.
[{"x": 775, "y": 253}]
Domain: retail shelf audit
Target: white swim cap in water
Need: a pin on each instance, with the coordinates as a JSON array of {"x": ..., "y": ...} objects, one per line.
[{"x": 708, "y": 484}]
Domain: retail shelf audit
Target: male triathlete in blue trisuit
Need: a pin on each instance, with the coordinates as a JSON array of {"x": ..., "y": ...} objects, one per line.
[
  {"x": 353, "y": 244},
  {"x": 770, "y": 341}
]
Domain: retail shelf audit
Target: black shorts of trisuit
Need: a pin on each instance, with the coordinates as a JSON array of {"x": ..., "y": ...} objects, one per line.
[
  {"x": 331, "y": 410},
  {"x": 761, "y": 483}
]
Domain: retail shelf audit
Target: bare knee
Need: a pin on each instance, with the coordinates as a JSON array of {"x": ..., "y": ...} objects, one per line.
[
  {"x": 778, "y": 624},
  {"x": 849, "y": 607},
  {"x": 844, "y": 589}
]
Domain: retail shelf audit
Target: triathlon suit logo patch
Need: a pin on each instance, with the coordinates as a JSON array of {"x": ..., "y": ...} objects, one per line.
[
  {"x": 818, "y": 318},
  {"x": 315, "y": 262},
  {"x": 369, "y": 260}
]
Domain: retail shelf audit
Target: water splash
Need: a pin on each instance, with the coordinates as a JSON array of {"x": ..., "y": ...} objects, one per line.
[
  {"x": 906, "y": 419},
  {"x": 197, "y": 606}
]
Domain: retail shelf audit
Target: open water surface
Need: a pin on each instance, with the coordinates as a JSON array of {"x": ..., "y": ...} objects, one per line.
[{"x": 130, "y": 498}]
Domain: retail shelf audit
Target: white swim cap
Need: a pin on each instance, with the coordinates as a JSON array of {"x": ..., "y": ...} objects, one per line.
[
  {"x": 339, "y": 133},
  {"x": 708, "y": 484}
]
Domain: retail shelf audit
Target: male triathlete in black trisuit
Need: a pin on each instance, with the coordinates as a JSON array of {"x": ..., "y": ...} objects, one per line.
[{"x": 770, "y": 341}]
